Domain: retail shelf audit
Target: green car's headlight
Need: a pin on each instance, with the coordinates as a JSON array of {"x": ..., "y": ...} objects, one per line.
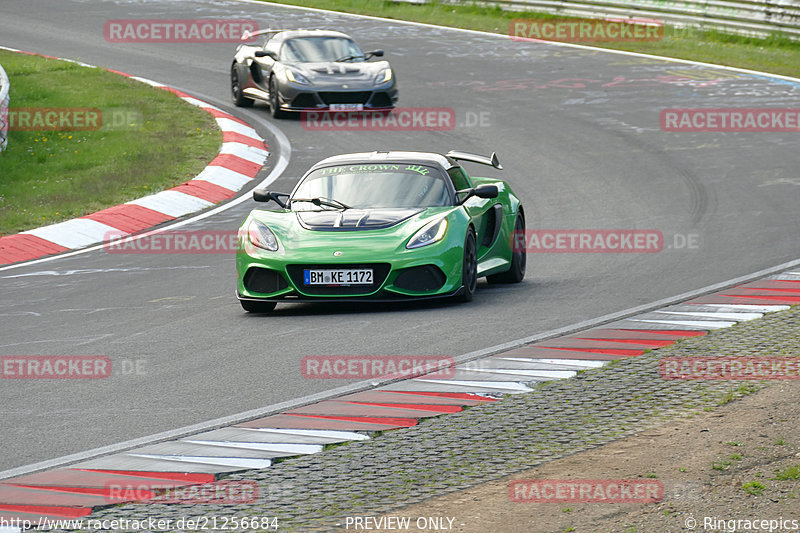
[
  {"x": 260, "y": 235},
  {"x": 383, "y": 76},
  {"x": 428, "y": 234},
  {"x": 296, "y": 77}
]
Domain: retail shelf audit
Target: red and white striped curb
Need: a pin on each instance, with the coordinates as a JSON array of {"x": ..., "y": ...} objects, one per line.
[
  {"x": 241, "y": 157},
  {"x": 76, "y": 490}
]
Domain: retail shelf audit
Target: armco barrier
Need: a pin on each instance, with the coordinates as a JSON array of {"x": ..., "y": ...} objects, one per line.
[
  {"x": 754, "y": 17},
  {"x": 4, "y": 99}
]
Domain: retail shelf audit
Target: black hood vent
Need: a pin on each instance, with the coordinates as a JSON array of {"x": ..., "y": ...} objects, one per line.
[{"x": 354, "y": 219}]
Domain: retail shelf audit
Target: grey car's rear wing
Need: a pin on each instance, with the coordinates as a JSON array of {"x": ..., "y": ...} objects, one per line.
[{"x": 489, "y": 160}]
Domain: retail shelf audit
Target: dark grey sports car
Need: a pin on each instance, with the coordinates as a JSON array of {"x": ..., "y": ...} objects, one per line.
[{"x": 310, "y": 70}]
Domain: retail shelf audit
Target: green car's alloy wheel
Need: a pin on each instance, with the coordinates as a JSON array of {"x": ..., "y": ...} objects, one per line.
[
  {"x": 518, "y": 257},
  {"x": 469, "y": 272},
  {"x": 274, "y": 101},
  {"x": 257, "y": 307},
  {"x": 239, "y": 99}
]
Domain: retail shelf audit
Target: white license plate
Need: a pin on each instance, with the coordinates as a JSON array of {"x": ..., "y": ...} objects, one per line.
[
  {"x": 361, "y": 276},
  {"x": 347, "y": 107}
]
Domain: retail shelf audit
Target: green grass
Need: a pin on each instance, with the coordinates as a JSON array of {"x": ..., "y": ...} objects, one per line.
[
  {"x": 753, "y": 488},
  {"x": 720, "y": 465},
  {"x": 52, "y": 176},
  {"x": 791, "y": 473},
  {"x": 776, "y": 53}
]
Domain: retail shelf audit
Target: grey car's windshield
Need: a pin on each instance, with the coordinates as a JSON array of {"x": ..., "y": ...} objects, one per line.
[
  {"x": 388, "y": 185},
  {"x": 319, "y": 50}
]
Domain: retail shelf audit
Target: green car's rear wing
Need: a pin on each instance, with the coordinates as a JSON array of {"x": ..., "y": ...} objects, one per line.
[{"x": 489, "y": 160}]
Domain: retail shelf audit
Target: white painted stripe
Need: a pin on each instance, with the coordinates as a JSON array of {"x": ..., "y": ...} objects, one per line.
[
  {"x": 75, "y": 233},
  {"x": 565, "y": 362},
  {"x": 200, "y": 103},
  {"x": 300, "y": 449},
  {"x": 236, "y": 462},
  {"x": 148, "y": 82},
  {"x": 224, "y": 177},
  {"x": 226, "y": 124},
  {"x": 172, "y": 203},
  {"x": 554, "y": 374},
  {"x": 250, "y": 153},
  {"x": 507, "y": 386},
  {"x": 752, "y": 307},
  {"x": 318, "y": 433},
  {"x": 723, "y": 316},
  {"x": 703, "y": 324},
  {"x": 81, "y": 63}
]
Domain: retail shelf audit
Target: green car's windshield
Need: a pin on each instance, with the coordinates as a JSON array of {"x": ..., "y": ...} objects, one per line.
[
  {"x": 392, "y": 185},
  {"x": 319, "y": 50}
]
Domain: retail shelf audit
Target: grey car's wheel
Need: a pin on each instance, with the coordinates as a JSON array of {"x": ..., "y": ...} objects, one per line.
[
  {"x": 257, "y": 307},
  {"x": 239, "y": 99},
  {"x": 469, "y": 268},
  {"x": 518, "y": 256},
  {"x": 274, "y": 100}
]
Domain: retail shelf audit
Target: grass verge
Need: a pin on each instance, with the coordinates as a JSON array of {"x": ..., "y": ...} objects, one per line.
[
  {"x": 149, "y": 140},
  {"x": 776, "y": 54}
]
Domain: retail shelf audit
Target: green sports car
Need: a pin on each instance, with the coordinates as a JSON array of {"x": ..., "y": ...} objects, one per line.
[{"x": 386, "y": 226}]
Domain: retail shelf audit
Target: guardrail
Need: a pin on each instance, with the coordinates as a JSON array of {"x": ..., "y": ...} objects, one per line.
[
  {"x": 5, "y": 87},
  {"x": 749, "y": 17}
]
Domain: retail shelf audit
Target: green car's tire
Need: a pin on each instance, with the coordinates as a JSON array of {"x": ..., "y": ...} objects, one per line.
[
  {"x": 239, "y": 99},
  {"x": 274, "y": 101},
  {"x": 518, "y": 257},
  {"x": 257, "y": 307},
  {"x": 469, "y": 268}
]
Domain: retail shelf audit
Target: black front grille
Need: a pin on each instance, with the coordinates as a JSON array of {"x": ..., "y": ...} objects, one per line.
[
  {"x": 358, "y": 97},
  {"x": 381, "y": 100},
  {"x": 264, "y": 280},
  {"x": 304, "y": 100},
  {"x": 421, "y": 279},
  {"x": 379, "y": 273}
]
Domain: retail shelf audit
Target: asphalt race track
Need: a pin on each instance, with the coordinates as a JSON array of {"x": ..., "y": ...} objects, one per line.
[{"x": 577, "y": 131}]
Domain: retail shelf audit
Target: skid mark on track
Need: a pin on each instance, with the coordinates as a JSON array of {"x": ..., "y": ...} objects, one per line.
[
  {"x": 99, "y": 271},
  {"x": 172, "y": 299},
  {"x": 77, "y": 341}
]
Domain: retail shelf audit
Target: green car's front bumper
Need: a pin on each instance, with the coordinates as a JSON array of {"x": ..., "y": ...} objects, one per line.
[{"x": 399, "y": 273}]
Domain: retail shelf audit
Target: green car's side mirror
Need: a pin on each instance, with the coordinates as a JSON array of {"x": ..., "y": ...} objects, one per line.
[{"x": 263, "y": 195}]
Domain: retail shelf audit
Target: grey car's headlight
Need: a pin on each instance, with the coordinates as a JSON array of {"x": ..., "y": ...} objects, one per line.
[
  {"x": 260, "y": 235},
  {"x": 429, "y": 233},
  {"x": 383, "y": 76},
  {"x": 296, "y": 77}
]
